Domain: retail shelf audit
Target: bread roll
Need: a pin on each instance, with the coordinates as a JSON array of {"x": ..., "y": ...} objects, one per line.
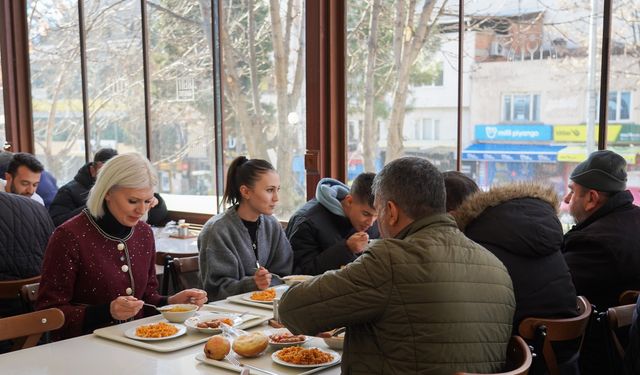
[{"x": 250, "y": 345}]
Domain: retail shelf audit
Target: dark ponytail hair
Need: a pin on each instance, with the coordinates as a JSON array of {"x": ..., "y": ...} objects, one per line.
[{"x": 243, "y": 171}]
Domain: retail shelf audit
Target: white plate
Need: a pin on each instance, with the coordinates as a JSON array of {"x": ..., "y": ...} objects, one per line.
[
  {"x": 247, "y": 296},
  {"x": 336, "y": 359},
  {"x": 192, "y": 322},
  {"x": 131, "y": 333},
  {"x": 280, "y": 345}
]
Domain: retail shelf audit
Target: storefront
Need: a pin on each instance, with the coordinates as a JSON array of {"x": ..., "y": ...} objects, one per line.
[{"x": 510, "y": 152}]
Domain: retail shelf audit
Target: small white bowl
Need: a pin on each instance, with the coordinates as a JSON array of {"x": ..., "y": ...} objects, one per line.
[
  {"x": 178, "y": 316},
  {"x": 334, "y": 342}
]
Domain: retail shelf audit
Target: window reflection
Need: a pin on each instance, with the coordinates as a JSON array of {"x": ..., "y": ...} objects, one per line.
[
  {"x": 182, "y": 107},
  {"x": 56, "y": 94},
  {"x": 263, "y": 84},
  {"x": 623, "y": 130},
  {"x": 401, "y": 91},
  {"x": 3, "y": 136},
  {"x": 115, "y": 87},
  {"x": 531, "y": 69}
]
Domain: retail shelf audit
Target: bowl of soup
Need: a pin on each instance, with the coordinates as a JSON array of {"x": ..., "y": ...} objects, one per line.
[{"x": 178, "y": 313}]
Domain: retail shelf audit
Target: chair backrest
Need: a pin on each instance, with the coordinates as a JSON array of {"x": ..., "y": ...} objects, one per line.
[
  {"x": 548, "y": 330},
  {"x": 628, "y": 297},
  {"x": 619, "y": 317},
  {"x": 29, "y": 294},
  {"x": 185, "y": 273},
  {"x": 519, "y": 358},
  {"x": 10, "y": 289},
  {"x": 27, "y": 328}
]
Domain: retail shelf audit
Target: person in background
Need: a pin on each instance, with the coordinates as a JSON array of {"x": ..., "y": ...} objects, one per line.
[
  {"x": 459, "y": 187},
  {"x": 240, "y": 247},
  {"x": 519, "y": 224},
  {"x": 423, "y": 299},
  {"x": 23, "y": 237},
  {"x": 333, "y": 228},
  {"x": 23, "y": 176},
  {"x": 602, "y": 249},
  {"x": 71, "y": 198},
  {"x": 99, "y": 266},
  {"x": 5, "y": 158},
  {"x": 25, "y": 228},
  {"x": 47, "y": 187}
]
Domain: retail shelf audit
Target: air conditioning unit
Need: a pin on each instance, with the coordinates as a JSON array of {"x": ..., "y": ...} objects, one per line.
[{"x": 496, "y": 49}]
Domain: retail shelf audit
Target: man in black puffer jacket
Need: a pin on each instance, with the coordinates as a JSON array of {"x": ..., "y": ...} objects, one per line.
[
  {"x": 603, "y": 248},
  {"x": 518, "y": 223},
  {"x": 72, "y": 197}
]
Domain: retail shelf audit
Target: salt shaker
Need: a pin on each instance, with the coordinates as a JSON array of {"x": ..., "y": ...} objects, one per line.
[
  {"x": 276, "y": 304},
  {"x": 183, "y": 228}
]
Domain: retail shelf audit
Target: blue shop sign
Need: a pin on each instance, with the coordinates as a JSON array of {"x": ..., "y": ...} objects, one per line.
[{"x": 520, "y": 133}]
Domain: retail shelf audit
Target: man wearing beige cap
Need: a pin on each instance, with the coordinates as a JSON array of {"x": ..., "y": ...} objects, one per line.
[{"x": 603, "y": 249}]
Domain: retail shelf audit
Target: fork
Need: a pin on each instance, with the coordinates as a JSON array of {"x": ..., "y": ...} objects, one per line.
[
  {"x": 272, "y": 274},
  {"x": 244, "y": 367}
]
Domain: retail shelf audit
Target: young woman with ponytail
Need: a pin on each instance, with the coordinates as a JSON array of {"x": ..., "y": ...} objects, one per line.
[{"x": 240, "y": 248}]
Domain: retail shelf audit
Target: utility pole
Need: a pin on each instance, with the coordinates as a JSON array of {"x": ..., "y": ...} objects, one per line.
[{"x": 591, "y": 79}]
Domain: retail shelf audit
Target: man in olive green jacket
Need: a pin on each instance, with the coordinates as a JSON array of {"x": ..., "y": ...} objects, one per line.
[{"x": 425, "y": 299}]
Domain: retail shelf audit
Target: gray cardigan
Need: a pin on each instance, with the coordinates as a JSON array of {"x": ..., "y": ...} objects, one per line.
[{"x": 227, "y": 260}]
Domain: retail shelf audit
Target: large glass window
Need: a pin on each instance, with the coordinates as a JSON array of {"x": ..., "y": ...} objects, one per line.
[
  {"x": 3, "y": 136},
  {"x": 402, "y": 77},
  {"x": 623, "y": 128},
  {"x": 531, "y": 68},
  {"x": 619, "y": 106},
  {"x": 115, "y": 86},
  {"x": 263, "y": 82},
  {"x": 182, "y": 106},
  {"x": 521, "y": 108},
  {"x": 56, "y": 88}
]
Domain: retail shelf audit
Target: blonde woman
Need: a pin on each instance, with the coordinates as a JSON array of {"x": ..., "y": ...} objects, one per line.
[{"x": 99, "y": 266}]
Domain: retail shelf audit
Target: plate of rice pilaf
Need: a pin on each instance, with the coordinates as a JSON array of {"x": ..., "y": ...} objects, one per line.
[
  {"x": 296, "y": 356},
  {"x": 156, "y": 332},
  {"x": 261, "y": 296}
]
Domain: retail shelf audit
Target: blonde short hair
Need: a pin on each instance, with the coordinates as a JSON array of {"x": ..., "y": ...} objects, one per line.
[{"x": 129, "y": 170}]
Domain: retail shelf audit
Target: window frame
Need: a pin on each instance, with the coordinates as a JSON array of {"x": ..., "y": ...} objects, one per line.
[
  {"x": 326, "y": 127},
  {"x": 534, "y": 100}
]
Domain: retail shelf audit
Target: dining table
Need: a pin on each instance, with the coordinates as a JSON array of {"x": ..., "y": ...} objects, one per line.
[
  {"x": 167, "y": 244},
  {"x": 96, "y": 355}
]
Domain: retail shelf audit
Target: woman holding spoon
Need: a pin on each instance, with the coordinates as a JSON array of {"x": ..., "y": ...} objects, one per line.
[
  {"x": 242, "y": 246},
  {"x": 99, "y": 266}
]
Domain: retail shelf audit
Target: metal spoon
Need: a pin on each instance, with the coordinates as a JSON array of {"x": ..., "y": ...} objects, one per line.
[{"x": 155, "y": 307}]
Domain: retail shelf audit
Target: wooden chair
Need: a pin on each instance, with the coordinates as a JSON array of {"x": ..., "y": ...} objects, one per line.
[
  {"x": 26, "y": 329},
  {"x": 10, "y": 295},
  {"x": 184, "y": 272},
  {"x": 628, "y": 297},
  {"x": 10, "y": 289},
  {"x": 519, "y": 358},
  {"x": 29, "y": 294},
  {"x": 549, "y": 330},
  {"x": 619, "y": 317}
]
